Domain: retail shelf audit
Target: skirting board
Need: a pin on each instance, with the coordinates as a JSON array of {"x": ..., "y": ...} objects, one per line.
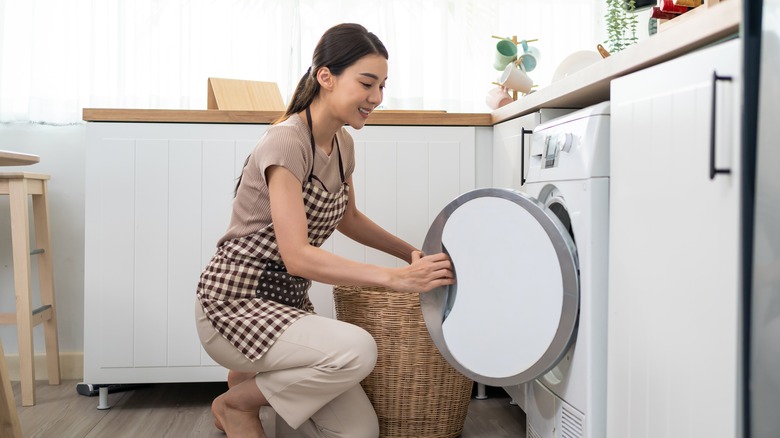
[{"x": 71, "y": 366}]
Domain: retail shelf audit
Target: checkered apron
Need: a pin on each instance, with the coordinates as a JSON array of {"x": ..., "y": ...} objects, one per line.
[{"x": 246, "y": 291}]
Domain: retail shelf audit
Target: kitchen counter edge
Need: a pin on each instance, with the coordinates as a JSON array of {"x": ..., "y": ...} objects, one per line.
[{"x": 379, "y": 117}]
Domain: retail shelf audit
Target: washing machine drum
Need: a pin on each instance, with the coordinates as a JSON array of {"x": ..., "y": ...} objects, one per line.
[{"x": 512, "y": 314}]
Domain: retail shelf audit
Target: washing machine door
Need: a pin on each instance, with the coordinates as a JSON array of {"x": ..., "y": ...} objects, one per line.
[{"x": 512, "y": 314}]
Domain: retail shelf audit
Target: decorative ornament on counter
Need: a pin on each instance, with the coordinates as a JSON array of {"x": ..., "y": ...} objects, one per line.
[
  {"x": 530, "y": 57},
  {"x": 621, "y": 24},
  {"x": 515, "y": 78},
  {"x": 652, "y": 26},
  {"x": 514, "y": 65},
  {"x": 498, "y": 97},
  {"x": 506, "y": 52}
]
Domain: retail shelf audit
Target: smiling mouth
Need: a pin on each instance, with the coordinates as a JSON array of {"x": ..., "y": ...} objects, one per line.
[{"x": 364, "y": 111}]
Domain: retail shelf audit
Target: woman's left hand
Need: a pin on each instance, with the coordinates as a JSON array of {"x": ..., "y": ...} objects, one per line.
[{"x": 426, "y": 272}]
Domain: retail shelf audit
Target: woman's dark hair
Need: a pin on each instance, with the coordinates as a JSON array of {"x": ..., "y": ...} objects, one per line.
[{"x": 339, "y": 47}]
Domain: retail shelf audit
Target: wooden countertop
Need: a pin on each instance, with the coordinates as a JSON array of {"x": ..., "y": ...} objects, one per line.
[
  {"x": 586, "y": 87},
  {"x": 379, "y": 117},
  {"x": 590, "y": 85}
]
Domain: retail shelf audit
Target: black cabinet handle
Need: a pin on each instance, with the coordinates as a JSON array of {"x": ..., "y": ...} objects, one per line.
[
  {"x": 523, "y": 133},
  {"x": 715, "y": 78}
]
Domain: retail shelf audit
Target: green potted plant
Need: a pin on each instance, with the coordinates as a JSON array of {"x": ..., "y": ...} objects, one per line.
[{"x": 621, "y": 24}]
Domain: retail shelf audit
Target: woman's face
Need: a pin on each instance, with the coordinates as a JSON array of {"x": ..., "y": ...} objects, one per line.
[{"x": 359, "y": 89}]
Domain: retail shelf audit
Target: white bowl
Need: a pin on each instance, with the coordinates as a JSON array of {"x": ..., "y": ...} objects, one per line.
[{"x": 575, "y": 62}]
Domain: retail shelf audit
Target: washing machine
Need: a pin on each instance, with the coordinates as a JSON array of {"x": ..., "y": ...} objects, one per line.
[{"x": 528, "y": 311}]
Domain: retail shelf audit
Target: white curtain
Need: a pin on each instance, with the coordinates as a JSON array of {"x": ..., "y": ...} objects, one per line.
[{"x": 60, "y": 56}]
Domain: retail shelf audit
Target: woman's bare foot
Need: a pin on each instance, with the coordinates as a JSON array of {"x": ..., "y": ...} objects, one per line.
[
  {"x": 233, "y": 379},
  {"x": 217, "y": 422},
  {"x": 236, "y": 412}
]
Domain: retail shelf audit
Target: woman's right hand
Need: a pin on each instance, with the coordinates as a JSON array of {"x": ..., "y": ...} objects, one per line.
[{"x": 424, "y": 273}]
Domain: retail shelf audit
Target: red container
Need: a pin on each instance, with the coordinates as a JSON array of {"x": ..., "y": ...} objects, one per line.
[
  {"x": 670, "y": 7},
  {"x": 661, "y": 15}
]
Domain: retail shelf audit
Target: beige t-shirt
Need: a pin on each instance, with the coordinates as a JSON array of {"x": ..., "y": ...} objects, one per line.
[{"x": 287, "y": 144}]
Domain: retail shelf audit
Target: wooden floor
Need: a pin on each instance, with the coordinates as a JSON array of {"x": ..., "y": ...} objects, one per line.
[{"x": 183, "y": 410}]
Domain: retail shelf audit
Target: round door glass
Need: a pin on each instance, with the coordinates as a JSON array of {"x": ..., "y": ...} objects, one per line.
[{"x": 512, "y": 313}]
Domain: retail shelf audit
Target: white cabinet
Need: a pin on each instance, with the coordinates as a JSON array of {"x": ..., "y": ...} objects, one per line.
[
  {"x": 158, "y": 196},
  {"x": 674, "y": 295}
]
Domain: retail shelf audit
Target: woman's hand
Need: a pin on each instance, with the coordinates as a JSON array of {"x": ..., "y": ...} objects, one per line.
[{"x": 424, "y": 273}]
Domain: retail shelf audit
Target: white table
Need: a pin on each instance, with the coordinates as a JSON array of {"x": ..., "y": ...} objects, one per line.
[{"x": 10, "y": 158}]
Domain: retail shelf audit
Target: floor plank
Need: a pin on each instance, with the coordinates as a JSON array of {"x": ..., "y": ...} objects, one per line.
[
  {"x": 494, "y": 417},
  {"x": 183, "y": 410}
]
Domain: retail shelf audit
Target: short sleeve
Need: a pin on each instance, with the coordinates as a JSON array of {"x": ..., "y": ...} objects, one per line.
[{"x": 282, "y": 145}]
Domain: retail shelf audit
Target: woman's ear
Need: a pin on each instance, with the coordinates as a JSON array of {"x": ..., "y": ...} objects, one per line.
[{"x": 325, "y": 78}]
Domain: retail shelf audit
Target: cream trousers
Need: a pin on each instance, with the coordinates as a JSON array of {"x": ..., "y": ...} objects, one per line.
[{"x": 311, "y": 375}]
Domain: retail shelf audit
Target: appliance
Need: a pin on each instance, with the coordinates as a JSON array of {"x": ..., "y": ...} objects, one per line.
[
  {"x": 760, "y": 216},
  {"x": 529, "y": 309}
]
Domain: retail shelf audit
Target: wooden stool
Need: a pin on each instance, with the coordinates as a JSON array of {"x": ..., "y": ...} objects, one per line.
[
  {"x": 18, "y": 186},
  {"x": 9, "y": 418}
]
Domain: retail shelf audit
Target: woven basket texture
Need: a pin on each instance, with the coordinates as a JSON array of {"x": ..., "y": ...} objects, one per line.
[{"x": 415, "y": 392}]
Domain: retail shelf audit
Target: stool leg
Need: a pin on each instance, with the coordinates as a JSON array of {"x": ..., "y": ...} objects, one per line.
[
  {"x": 9, "y": 418},
  {"x": 46, "y": 278},
  {"x": 20, "y": 241}
]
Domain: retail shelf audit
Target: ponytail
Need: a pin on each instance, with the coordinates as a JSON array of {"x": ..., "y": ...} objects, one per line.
[{"x": 303, "y": 96}]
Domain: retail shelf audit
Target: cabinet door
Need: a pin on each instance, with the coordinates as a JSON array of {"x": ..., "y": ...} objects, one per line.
[
  {"x": 157, "y": 199},
  {"x": 674, "y": 255},
  {"x": 511, "y": 144}
]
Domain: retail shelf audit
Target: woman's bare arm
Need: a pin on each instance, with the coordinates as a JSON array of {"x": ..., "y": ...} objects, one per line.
[
  {"x": 304, "y": 260},
  {"x": 361, "y": 229}
]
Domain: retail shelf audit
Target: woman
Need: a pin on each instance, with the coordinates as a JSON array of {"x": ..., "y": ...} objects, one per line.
[{"x": 253, "y": 311}]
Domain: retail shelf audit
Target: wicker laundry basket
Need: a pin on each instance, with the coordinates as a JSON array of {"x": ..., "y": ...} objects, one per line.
[{"x": 415, "y": 392}]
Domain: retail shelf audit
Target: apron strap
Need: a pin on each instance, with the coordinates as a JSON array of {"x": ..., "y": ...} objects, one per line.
[{"x": 314, "y": 151}]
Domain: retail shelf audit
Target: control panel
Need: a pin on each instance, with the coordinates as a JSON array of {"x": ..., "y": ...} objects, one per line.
[{"x": 553, "y": 146}]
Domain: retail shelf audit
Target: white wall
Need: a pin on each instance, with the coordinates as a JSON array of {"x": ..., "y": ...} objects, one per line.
[{"x": 62, "y": 152}]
